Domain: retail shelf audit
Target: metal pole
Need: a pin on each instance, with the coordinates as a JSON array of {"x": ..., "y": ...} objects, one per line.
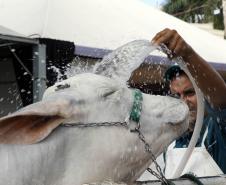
[
  {"x": 224, "y": 14},
  {"x": 39, "y": 71}
]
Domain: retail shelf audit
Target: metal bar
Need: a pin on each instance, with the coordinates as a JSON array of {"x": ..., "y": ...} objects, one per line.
[
  {"x": 18, "y": 39},
  {"x": 6, "y": 44},
  {"x": 39, "y": 71},
  {"x": 217, "y": 180},
  {"x": 20, "y": 62}
]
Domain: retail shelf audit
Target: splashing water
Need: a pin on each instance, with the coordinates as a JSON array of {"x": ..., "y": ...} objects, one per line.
[
  {"x": 121, "y": 62},
  {"x": 79, "y": 66}
]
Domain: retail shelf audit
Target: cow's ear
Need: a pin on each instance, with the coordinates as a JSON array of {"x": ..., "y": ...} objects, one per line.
[
  {"x": 34, "y": 122},
  {"x": 27, "y": 129}
]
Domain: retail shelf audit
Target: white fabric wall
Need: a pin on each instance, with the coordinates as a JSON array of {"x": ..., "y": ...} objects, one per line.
[{"x": 102, "y": 24}]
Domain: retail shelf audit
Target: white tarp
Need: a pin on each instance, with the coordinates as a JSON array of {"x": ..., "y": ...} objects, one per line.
[{"x": 104, "y": 24}]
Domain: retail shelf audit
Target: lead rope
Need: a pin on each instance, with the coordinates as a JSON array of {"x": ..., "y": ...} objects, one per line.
[{"x": 192, "y": 178}]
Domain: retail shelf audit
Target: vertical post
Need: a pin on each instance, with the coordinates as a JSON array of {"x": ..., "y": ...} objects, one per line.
[
  {"x": 224, "y": 15},
  {"x": 39, "y": 71}
]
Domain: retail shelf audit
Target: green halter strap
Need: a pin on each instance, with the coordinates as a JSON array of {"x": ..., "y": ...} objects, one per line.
[{"x": 137, "y": 106}]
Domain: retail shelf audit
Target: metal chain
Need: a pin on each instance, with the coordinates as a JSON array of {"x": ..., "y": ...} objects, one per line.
[
  {"x": 159, "y": 175},
  {"x": 147, "y": 147},
  {"x": 101, "y": 124}
]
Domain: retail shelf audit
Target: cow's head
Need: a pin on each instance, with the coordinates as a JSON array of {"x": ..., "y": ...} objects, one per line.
[{"x": 90, "y": 98}]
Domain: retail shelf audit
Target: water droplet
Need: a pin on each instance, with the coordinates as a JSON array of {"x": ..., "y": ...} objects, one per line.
[
  {"x": 218, "y": 120},
  {"x": 13, "y": 50}
]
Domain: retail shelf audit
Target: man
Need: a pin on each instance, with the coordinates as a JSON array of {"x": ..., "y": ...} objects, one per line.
[
  {"x": 212, "y": 86},
  {"x": 181, "y": 87}
]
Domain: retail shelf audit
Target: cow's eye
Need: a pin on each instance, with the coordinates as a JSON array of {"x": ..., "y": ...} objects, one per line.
[{"x": 175, "y": 95}]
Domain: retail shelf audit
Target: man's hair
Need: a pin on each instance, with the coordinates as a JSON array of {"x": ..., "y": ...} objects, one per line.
[{"x": 172, "y": 72}]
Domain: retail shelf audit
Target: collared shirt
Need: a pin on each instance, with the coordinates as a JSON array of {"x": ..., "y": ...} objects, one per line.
[{"x": 215, "y": 141}]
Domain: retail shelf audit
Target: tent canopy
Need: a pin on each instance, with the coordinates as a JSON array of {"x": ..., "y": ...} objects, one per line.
[{"x": 103, "y": 24}]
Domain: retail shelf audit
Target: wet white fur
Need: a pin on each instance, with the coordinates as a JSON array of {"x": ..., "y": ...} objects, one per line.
[{"x": 74, "y": 156}]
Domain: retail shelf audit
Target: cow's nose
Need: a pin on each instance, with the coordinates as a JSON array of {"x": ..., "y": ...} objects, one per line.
[{"x": 176, "y": 113}]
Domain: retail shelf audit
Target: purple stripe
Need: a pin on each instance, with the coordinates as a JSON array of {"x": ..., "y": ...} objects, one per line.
[{"x": 100, "y": 53}]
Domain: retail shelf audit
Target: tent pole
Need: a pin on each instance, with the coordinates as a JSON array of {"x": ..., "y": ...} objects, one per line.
[{"x": 39, "y": 71}]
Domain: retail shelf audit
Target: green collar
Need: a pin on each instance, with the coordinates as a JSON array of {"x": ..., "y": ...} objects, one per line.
[{"x": 137, "y": 106}]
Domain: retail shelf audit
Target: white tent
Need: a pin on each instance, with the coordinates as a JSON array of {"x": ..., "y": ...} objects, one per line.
[{"x": 104, "y": 24}]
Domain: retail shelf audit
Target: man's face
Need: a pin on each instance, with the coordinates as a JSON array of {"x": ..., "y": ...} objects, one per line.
[{"x": 182, "y": 87}]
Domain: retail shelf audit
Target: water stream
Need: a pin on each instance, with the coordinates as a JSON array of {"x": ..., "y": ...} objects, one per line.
[
  {"x": 120, "y": 63},
  {"x": 198, "y": 123}
]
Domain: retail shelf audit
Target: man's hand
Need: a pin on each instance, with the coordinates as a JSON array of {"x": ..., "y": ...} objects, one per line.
[{"x": 174, "y": 42}]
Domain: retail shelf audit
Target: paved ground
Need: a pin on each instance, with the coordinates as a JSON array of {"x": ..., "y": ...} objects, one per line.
[{"x": 209, "y": 27}]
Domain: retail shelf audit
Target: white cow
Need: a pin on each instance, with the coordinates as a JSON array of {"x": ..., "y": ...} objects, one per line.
[{"x": 37, "y": 149}]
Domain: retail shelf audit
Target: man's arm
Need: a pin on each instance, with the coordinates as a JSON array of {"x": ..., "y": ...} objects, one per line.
[{"x": 206, "y": 77}]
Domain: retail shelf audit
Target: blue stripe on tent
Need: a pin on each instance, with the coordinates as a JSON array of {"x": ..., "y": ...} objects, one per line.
[{"x": 100, "y": 53}]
